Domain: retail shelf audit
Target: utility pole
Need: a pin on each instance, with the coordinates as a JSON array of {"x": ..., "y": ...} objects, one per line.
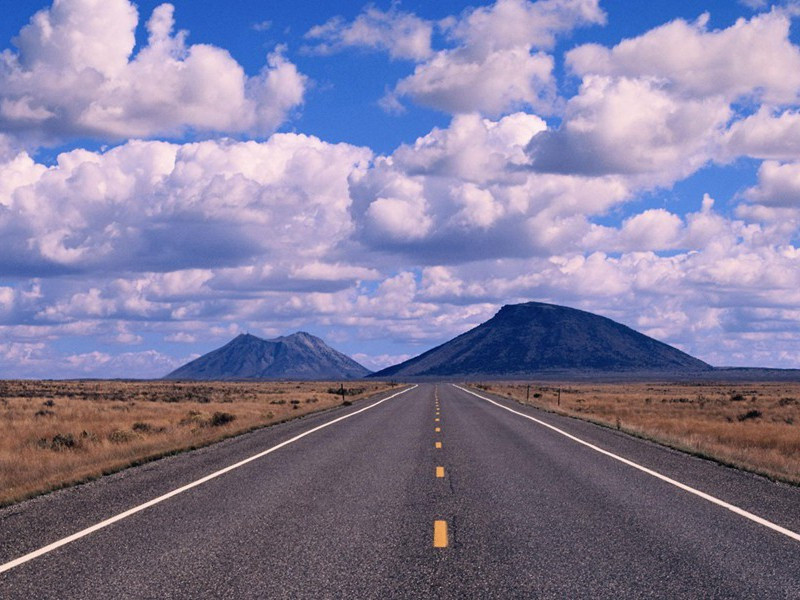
[
  {"x": 559, "y": 396},
  {"x": 528, "y": 394},
  {"x": 342, "y": 392}
]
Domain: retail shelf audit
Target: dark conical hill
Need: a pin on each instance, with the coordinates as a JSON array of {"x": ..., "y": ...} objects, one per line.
[
  {"x": 297, "y": 356},
  {"x": 534, "y": 337}
]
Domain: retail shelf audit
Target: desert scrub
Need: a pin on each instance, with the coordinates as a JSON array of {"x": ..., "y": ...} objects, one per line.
[
  {"x": 754, "y": 428},
  {"x": 60, "y": 432}
]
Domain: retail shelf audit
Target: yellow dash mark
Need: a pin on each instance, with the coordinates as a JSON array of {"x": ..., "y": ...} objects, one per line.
[
  {"x": 438, "y": 429},
  {"x": 438, "y": 444},
  {"x": 436, "y": 419},
  {"x": 440, "y": 534},
  {"x": 439, "y": 472}
]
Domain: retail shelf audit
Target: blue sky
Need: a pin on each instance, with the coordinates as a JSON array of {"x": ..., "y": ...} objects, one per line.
[{"x": 387, "y": 175}]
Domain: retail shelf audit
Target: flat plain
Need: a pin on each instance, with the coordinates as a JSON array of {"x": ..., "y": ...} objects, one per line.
[
  {"x": 56, "y": 433},
  {"x": 753, "y": 426}
]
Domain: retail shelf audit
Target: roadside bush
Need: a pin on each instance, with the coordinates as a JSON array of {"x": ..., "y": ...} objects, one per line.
[
  {"x": 347, "y": 391},
  {"x": 120, "y": 437},
  {"x": 221, "y": 418},
  {"x": 61, "y": 442},
  {"x": 750, "y": 414}
]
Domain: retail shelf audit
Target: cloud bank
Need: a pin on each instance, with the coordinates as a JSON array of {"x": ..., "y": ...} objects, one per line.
[{"x": 530, "y": 191}]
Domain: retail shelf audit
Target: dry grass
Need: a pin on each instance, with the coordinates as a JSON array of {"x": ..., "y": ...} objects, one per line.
[
  {"x": 753, "y": 426},
  {"x": 55, "y": 433}
]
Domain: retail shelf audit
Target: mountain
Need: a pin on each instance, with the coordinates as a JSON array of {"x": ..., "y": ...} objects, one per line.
[
  {"x": 522, "y": 339},
  {"x": 297, "y": 356}
]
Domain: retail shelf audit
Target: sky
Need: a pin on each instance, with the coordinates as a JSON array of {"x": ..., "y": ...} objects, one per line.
[{"x": 387, "y": 175}]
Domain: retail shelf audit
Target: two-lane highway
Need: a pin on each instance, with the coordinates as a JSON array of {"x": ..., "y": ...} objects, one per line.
[{"x": 434, "y": 492}]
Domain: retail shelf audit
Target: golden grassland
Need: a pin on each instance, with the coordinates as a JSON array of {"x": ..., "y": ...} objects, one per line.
[
  {"x": 753, "y": 426},
  {"x": 56, "y": 433}
]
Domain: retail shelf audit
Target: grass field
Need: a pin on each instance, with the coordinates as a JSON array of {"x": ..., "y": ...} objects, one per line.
[
  {"x": 55, "y": 433},
  {"x": 754, "y": 426}
]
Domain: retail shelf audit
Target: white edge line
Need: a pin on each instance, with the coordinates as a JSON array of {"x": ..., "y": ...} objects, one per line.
[
  {"x": 683, "y": 486},
  {"x": 102, "y": 524}
]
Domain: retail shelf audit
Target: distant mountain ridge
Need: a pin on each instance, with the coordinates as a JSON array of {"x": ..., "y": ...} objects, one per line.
[
  {"x": 298, "y": 356},
  {"x": 523, "y": 339}
]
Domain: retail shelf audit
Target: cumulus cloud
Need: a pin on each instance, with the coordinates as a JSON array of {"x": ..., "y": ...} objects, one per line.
[
  {"x": 192, "y": 243},
  {"x": 401, "y": 34},
  {"x": 752, "y": 57},
  {"x": 776, "y": 197},
  {"x": 38, "y": 360},
  {"x": 765, "y": 134},
  {"x": 75, "y": 74},
  {"x": 632, "y": 127},
  {"x": 778, "y": 185},
  {"x": 154, "y": 206},
  {"x": 497, "y": 63},
  {"x": 503, "y": 81},
  {"x": 468, "y": 181}
]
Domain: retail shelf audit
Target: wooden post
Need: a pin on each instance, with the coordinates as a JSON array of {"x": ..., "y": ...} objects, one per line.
[
  {"x": 342, "y": 392},
  {"x": 528, "y": 394},
  {"x": 559, "y": 396}
]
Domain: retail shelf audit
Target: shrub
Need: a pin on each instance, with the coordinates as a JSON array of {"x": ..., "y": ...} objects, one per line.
[
  {"x": 221, "y": 418},
  {"x": 142, "y": 427},
  {"x": 63, "y": 442},
  {"x": 750, "y": 414},
  {"x": 44, "y": 413},
  {"x": 347, "y": 391},
  {"x": 737, "y": 397},
  {"x": 120, "y": 437}
]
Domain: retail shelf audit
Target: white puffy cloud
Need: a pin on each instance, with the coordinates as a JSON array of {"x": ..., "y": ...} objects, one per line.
[
  {"x": 194, "y": 243},
  {"x": 403, "y": 35},
  {"x": 152, "y": 206},
  {"x": 75, "y": 74},
  {"x": 144, "y": 364},
  {"x": 632, "y": 127},
  {"x": 654, "y": 229},
  {"x": 464, "y": 193},
  {"x": 766, "y": 135},
  {"x": 503, "y": 81},
  {"x": 778, "y": 185},
  {"x": 497, "y": 63},
  {"x": 515, "y": 23},
  {"x": 752, "y": 57},
  {"x": 776, "y": 197}
]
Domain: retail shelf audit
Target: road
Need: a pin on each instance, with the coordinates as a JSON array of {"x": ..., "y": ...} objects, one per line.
[{"x": 369, "y": 507}]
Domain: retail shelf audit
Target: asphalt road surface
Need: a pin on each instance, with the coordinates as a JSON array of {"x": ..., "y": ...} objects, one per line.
[{"x": 369, "y": 507}]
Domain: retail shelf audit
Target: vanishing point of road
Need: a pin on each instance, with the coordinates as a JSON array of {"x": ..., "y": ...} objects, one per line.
[{"x": 433, "y": 492}]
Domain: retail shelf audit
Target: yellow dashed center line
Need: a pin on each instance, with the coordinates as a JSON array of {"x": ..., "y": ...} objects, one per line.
[
  {"x": 440, "y": 534},
  {"x": 439, "y": 526}
]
